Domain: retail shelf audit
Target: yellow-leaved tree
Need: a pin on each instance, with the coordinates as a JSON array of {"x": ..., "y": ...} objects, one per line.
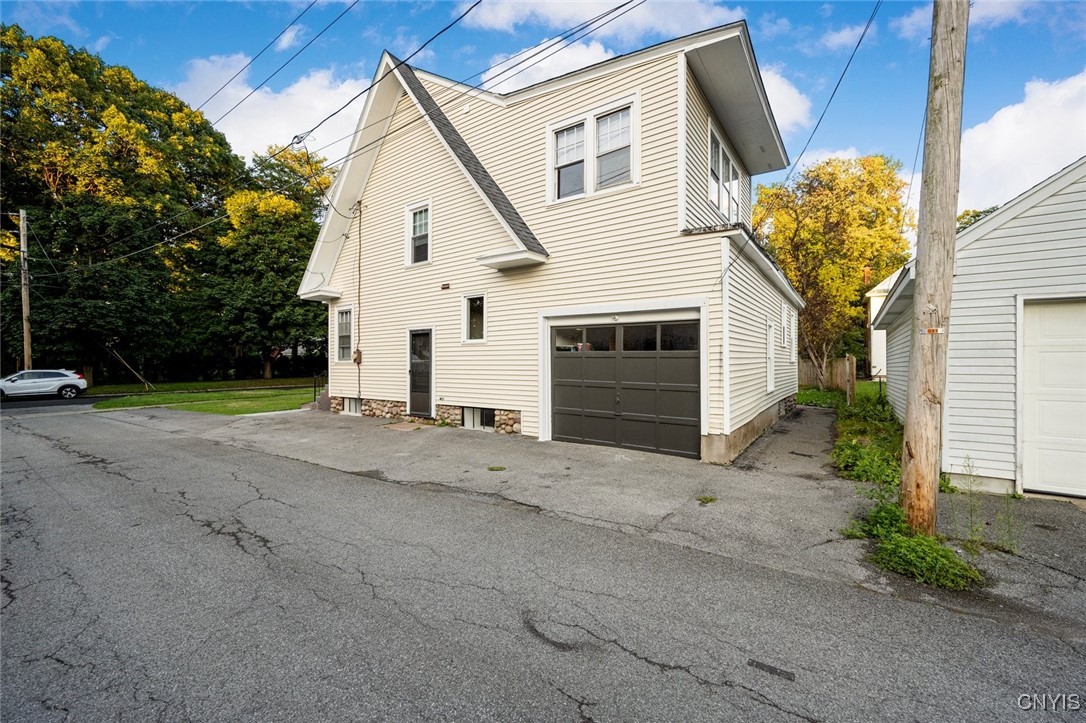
[{"x": 835, "y": 230}]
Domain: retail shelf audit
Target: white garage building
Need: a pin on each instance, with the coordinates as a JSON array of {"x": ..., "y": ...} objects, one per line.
[{"x": 1015, "y": 410}]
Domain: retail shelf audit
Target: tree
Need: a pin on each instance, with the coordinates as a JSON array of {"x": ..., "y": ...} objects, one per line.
[
  {"x": 112, "y": 173},
  {"x": 249, "y": 299},
  {"x": 970, "y": 216},
  {"x": 837, "y": 218}
]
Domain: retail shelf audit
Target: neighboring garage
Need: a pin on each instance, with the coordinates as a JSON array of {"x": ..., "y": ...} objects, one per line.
[
  {"x": 1015, "y": 406},
  {"x": 1054, "y": 397},
  {"x": 635, "y": 386}
]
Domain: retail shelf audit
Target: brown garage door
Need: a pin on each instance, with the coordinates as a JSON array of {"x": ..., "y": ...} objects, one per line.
[{"x": 635, "y": 386}]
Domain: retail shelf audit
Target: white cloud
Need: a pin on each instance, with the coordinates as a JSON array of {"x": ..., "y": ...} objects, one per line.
[
  {"x": 791, "y": 108},
  {"x": 100, "y": 44},
  {"x": 652, "y": 18},
  {"x": 556, "y": 58},
  {"x": 771, "y": 26},
  {"x": 814, "y": 156},
  {"x": 914, "y": 26},
  {"x": 1024, "y": 143},
  {"x": 272, "y": 117},
  {"x": 290, "y": 38},
  {"x": 983, "y": 14},
  {"x": 404, "y": 45},
  {"x": 42, "y": 18},
  {"x": 844, "y": 38}
]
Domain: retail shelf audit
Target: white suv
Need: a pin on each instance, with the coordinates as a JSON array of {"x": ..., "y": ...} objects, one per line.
[{"x": 62, "y": 382}]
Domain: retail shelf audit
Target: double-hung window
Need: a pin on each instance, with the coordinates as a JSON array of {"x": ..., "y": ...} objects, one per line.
[
  {"x": 723, "y": 179},
  {"x": 343, "y": 335},
  {"x": 594, "y": 152},
  {"x": 569, "y": 161},
  {"x": 418, "y": 234}
]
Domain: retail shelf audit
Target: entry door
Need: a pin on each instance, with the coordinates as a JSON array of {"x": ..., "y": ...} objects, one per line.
[
  {"x": 419, "y": 397},
  {"x": 1054, "y": 424}
]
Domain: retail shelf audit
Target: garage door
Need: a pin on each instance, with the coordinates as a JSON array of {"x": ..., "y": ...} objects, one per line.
[
  {"x": 635, "y": 386},
  {"x": 1054, "y": 404}
]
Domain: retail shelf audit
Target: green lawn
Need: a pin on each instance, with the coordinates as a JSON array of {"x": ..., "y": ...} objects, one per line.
[
  {"x": 832, "y": 398},
  {"x": 226, "y": 402},
  {"x": 101, "y": 389}
]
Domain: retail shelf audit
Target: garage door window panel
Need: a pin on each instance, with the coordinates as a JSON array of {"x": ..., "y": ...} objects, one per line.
[{"x": 639, "y": 338}]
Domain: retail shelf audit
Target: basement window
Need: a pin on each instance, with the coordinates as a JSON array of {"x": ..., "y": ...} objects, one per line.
[{"x": 479, "y": 418}]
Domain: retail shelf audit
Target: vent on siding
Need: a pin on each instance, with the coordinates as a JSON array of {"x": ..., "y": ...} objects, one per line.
[{"x": 479, "y": 418}]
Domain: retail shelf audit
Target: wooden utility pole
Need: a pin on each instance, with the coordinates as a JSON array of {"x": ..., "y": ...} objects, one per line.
[
  {"x": 922, "y": 449},
  {"x": 25, "y": 290}
]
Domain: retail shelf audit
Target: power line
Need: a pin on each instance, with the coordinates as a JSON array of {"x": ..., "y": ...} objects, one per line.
[
  {"x": 341, "y": 161},
  {"x": 255, "y": 57},
  {"x": 288, "y": 61},
  {"x": 839, "y": 81}
]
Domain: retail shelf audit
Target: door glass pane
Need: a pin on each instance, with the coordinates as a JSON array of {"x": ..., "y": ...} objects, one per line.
[
  {"x": 475, "y": 317},
  {"x": 568, "y": 339},
  {"x": 679, "y": 337},
  {"x": 639, "y": 338},
  {"x": 600, "y": 338},
  {"x": 420, "y": 347}
]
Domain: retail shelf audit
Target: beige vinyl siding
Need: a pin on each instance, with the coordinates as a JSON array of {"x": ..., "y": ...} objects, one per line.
[
  {"x": 753, "y": 302},
  {"x": 897, "y": 362},
  {"x": 700, "y": 211},
  {"x": 618, "y": 246},
  {"x": 1038, "y": 251}
]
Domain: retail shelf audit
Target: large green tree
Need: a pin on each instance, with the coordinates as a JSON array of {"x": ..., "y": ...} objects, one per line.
[
  {"x": 835, "y": 230},
  {"x": 121, "y": 182}
]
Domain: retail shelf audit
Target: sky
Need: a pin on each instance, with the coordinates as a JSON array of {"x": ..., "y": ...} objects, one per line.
[{"x": 1024, "y": 115}]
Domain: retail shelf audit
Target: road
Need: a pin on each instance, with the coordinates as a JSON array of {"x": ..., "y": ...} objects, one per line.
[{"x": 153, "y": 573}]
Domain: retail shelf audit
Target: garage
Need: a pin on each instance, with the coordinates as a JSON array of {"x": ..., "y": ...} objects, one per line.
[
  {"x": 1054, "y": 397},
  {"x": 635, "y": 386}
]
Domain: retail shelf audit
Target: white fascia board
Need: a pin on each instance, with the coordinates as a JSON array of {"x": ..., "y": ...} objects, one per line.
[
  {"x": 898, "y": 300},
  {"x": 511, "y": 259},
  {"x": 322, "y": 293},
  {"x": 748, "y": 247},
  {"x": 352, "y": 178},
  {"x": 1031, "y": 197}
]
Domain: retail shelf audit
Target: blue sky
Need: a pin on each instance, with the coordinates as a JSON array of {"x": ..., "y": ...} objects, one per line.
[{"x": 1025, "y": 96}]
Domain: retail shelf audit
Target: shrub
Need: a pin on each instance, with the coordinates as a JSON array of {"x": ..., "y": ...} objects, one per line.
[{"x": 924, "y": 559}]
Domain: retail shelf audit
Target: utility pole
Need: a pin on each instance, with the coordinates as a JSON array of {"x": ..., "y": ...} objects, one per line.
[
  {"x": 922, "y": 449},
  {"x": 25, "y": 290}
]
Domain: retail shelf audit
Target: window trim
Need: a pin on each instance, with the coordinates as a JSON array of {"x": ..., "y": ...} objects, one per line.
[
  {"x": 409, "y": 212},
  {"x": 340, "y": 308},
  {"x": 729, "y": 177},
  {"x": 465, "y": 318},
  {"x": 590, "y": 119},
  {"x": 771, "y": 357}
]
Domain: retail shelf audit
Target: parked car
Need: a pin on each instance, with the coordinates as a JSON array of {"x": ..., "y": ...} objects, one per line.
[{"x": 64, "y": 383}]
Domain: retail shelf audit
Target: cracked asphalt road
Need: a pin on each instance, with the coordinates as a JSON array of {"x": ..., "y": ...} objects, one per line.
[{"x": 152, "y": 571}]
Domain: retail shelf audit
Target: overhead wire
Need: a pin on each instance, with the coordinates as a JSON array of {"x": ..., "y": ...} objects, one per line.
[
  {"x": 257, "y": 56},
  {"x": 867, "y": 27},
  {"x": 342, "y": 160}
]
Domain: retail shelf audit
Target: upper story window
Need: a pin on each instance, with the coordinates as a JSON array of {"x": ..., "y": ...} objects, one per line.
[
  {"x": 418, "y": 233},
  {"x": 594, "y": 152},
  {"x": 723, "y": 179}
]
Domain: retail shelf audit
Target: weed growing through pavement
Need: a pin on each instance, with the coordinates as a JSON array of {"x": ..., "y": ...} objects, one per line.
[
  {"x": 495, "y": 468},
  {"x": 706, "y": 500}
]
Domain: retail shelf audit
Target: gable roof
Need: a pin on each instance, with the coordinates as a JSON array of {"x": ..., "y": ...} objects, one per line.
[
  {"x": 392, "y": 78},
  {"x": 900, "y": 298}
]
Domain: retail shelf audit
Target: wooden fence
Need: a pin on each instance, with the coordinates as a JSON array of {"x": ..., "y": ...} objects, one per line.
[{"x": 840, "y": 374}]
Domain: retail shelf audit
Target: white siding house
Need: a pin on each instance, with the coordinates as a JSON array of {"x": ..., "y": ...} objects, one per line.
[
  {"x": 876, "y": 339},
  {"x": 570, "y": 261},
  {"x": 1015, "y": 412}
]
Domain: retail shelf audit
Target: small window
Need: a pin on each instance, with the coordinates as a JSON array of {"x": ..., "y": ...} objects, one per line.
[
  {"x": 793, "y": 335},
  {"x": 474, "y": 318},
  {"x": 569, "y": 160},
  {"x": 569, "y": 339},
  {"x": 639, "y": 338},
  {"x": 613, "y": 149},
  {"x": 733, "y": 195},
  {"x": 714, "y": 169},
  {"x": 723, "y": 179},
  {"x": 343, "y": 335},
  {"x": 678, "y": 337},
  {"x": 419, "y": 242},
  {"x": 771, "y": 357},
  {"x": 479, "y": 418},
  {"x": 600, "y": 338}
]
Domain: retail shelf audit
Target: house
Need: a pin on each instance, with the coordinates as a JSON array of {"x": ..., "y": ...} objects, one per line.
[
  {"x": 570, "y": 261},
  {"x": 1015, "y": 409},
  {"x": 876, "y": 338}
]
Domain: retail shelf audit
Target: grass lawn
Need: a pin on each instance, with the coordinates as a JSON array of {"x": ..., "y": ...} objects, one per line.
[
  {"x": 100, "y": 389},
  {"x": 832, "y": 398},
  {"x": 252, "y": 401}
]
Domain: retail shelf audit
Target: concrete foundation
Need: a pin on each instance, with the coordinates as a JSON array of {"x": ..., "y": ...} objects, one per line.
[{"x": 723, "y": 448}]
